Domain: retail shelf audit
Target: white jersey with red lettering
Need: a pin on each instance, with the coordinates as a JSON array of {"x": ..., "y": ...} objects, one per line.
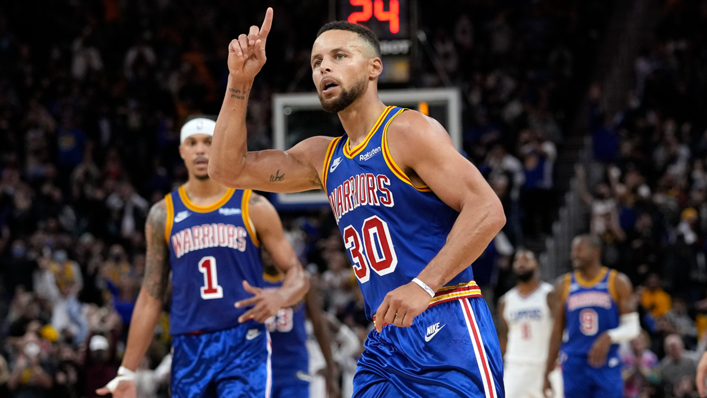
[{"x": 529, "y": 322}]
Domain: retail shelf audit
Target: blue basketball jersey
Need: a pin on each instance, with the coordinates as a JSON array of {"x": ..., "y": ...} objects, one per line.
[
  {"x": 391, "y": 228},
  {"x": 590, "y": 310},
  {"x": 289, "y": 337},
  {"x": 212, "y": 250}
]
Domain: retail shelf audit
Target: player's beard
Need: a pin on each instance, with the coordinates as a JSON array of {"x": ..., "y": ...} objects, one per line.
[
  {"x": 346, "y": 98},
  {"x": 202, "y": 177},
  {"x": 525, "y": 276}
]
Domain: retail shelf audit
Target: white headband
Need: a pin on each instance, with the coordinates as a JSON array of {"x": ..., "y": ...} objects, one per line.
[{"x": 197, "y": 126}]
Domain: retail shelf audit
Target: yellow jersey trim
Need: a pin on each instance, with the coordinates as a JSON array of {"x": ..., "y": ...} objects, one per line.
[
  {"x": 359, "y": 148},
  {"x": 391, "y": 163},
  {"x": 246, "y": 217},
  {"x": 204, "y": 209},
  {"x": 566, "y": 289},
  {"x": 170, "y": 217},
  {"x": 327, "y": 160},
  {"x": 463, "y": 290},
  {"x": 612, "y": 285},
  {"x": 273, "y": 278},
  {"x": 583, "y": 283}
]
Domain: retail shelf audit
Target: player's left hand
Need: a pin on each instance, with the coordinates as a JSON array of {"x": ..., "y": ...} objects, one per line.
[
  {"x": 597, "y": 354},
  {"x": 401, "y": 306},
  {"x": 266, "y": 304}
]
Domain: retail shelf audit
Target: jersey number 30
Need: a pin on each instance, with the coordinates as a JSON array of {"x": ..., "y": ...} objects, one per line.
[
  {"x": 211, "y": 288},
  {"x": 375, "y": 251}
]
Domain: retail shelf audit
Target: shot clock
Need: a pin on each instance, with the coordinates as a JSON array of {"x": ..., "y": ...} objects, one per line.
[{"x": 390, "y": 21}]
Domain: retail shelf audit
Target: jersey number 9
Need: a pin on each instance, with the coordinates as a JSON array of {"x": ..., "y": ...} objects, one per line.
[{"x": 589, "y": 322}]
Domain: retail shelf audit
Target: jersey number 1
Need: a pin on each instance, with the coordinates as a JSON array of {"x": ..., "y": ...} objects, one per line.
[
  {"x": 377, "y": 251},
  {"x": 211, "y": 288}
]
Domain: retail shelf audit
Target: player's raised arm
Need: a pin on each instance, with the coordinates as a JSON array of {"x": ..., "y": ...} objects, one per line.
[
  {"x": 149, "y": 303},
  {"x": 231, "y": 164},
  {"x": 266, "y": 303},
  {"x": 424, "y": 150}
]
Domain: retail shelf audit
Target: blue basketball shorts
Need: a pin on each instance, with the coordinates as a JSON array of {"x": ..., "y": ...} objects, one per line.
[
  {"x": 293, "y": 388},
  {"x": 582, "y": 380},
  {"x": 227, "y": 363},
  {"x": 292, "y": 384},
  {"x": 451, "y": 350}
]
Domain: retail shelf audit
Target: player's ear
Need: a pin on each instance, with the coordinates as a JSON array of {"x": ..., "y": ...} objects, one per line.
[
  {"x": 181, "y": 154},
  {"x": 375, "y": 68}
]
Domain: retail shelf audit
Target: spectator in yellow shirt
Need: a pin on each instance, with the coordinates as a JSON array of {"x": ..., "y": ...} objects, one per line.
[{"x": 654, "y": 299}]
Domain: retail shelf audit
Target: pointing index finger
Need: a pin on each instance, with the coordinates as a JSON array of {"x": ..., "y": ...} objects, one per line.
[{"x": 267, "y": 24}]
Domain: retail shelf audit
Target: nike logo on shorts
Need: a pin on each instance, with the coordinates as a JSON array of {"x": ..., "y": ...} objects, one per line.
[
  {"x": 252, "y": 333},
  {"x": 433, "y": 330}
]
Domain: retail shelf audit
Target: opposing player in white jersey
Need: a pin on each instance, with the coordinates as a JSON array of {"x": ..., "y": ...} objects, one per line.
[{"x": 525, "y": 329}]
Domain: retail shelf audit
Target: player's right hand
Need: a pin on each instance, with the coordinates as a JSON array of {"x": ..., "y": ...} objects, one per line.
[
  {"x": 125, "y": 389},
  {"x": 246, "y": 54},
  {"x": 547, "y": 387},
  {"x": 266, "y": 304},
  {"x": 701, "y": 375}
]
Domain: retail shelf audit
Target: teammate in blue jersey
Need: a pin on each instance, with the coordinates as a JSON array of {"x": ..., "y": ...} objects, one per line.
[
  {"x": 290, "y": 359},
  {"x": 595, "y": 313},
  {"x": 208, "y": 237},
  {"x": 413, "y": 212}
]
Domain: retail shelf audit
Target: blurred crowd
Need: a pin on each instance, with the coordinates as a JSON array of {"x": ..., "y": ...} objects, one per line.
[
  {"x": 647, "y": 191},
  {"x": 92, "y": 96}
]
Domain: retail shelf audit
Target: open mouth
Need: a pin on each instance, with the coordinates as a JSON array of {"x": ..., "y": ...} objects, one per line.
[{"x": 328, "y": 85}]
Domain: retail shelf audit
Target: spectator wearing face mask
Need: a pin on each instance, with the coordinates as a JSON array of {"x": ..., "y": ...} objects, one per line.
[{"x": 32, "y": 373}]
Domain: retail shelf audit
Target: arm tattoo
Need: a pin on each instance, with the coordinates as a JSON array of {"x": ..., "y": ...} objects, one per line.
[
  {"x": 254, "y": 199},
  {"x": 156, "y": 262},
  {"x": 277, "y": 176},
  {"x": 238, "y": 93}
]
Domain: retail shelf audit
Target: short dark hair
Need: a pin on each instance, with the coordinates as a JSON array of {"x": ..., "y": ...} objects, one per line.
[
  {"x": 593, "y": 240},
  {"x": 362, "y": 31}
]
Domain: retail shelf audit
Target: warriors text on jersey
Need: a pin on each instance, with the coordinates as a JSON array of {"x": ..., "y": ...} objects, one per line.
[
  {"x": 212, "y": 250},
  {"x": 590, "y": 310},
  {"x": 529, "y": 325},
  {"x": 391, "y": 228}
]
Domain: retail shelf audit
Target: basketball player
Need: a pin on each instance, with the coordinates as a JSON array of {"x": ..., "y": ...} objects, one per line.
[
  {"x": 208, "y": 236},
  {"x": 526, "y": 325},
  {"x": 413, "y": 212},
  {"x": 596, "y": 313},
  {"x": 701, "y": 378},
  {"x": 290, "y": 359}
]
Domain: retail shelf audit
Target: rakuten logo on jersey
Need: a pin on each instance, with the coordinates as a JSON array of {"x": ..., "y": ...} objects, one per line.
[
  {"x": 360, "y": 190},
  {"x": 209, "y": 235},
  {"x": 369, "y": 154}
]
